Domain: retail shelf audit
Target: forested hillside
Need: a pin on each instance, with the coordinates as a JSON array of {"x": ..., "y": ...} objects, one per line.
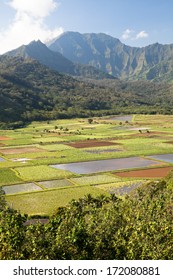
[{"x": 30, "y": 91}]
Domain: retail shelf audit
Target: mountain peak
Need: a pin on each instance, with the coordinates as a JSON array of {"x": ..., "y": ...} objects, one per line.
[
  {"x": 110, "y": 55},
  {"x": 35, "y": 42},
  {"x": 38, "y": 51}
]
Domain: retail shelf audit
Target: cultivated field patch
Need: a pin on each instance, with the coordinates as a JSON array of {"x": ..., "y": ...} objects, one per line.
[
  {"x": 10, "y": 151},
  {"x": 2, "y": 159},
  {"x": 96, "y": 179},
  {"x": 146, "y": 173},
  {"x": 41, "y": 172},
  {"x": 30, "y": 187},
  {"x": 56, "y": 184},
  {"x": 4, "y": 138},
  {"x": 121, "y": 188},
  {"x": 47, "y": 202},
  {"x": 167, "y": 157},
  {"x": 122, "y": 118},
  {"x": 106, "y": 165},
  {"x": 57, "y": 147},
  {"x": 48, "y": 139},
  {"x": 8, "y": 176},
  {"x": 90, "y": 143},
  {"x": 102, "y": 151}
]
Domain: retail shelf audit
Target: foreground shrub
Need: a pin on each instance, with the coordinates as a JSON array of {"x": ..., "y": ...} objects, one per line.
[{"x": 139, "y": 226}]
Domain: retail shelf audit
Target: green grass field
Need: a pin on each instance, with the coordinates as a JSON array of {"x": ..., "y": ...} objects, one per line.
[
  {"x": 8, "y": 177},
  {"x": 46, "y": 202},
  {"x": 95, "y": 180},
  {"x": 41, "y": 172},
  {"x": 142, "y": 136}
]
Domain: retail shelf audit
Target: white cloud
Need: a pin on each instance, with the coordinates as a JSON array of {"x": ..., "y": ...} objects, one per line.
[
  {"x": 142, "y": 34},
  {"x": 34, "y": 8},
  {"x": 28, "y": 23},
  {"x": 127, "y": 34},
  {"x": 132, "y": 35}
]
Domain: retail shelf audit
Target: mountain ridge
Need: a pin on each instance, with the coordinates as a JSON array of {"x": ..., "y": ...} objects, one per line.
[
  {"x": 110, "y": 55},
  {"x": 56, "y": 61}
]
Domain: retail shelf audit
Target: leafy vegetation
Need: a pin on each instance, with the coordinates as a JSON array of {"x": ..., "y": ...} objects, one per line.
[{"x": 136, "y": 227}]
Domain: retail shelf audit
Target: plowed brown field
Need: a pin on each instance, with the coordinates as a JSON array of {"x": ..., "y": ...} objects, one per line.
[
  {"x": 4, "y": 138},
  {"x": 91, "y": 143},
  {"x": 146, "y": 173}
]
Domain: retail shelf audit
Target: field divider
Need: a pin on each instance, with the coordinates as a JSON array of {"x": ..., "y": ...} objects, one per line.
[
  {"x": 5, "y": 158},
  {"x": 17, "y": 173},
  {"x": 71, "y": 181},
  {"x": 39, "y": 185}
]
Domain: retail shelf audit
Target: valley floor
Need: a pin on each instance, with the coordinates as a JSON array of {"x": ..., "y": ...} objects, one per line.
[{"x": 47, "y": 164}]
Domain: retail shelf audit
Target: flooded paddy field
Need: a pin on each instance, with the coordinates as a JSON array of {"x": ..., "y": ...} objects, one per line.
[
  {"x": 102, "y": 151},
  {"x": 21, "y": 188},
  {"x": 166, "y": 158},
  {"x": 56, "y": 184},
  {"x": 106, "y": 165},
  {"x": 122, "y": 118},
  {"x": 126, "y": 188},
  {"x": 2, "y": 159}
]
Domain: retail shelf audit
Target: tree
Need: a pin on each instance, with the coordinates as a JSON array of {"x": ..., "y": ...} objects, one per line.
[
  {"x": 2, "y": 199},
  {"x": 90, "y": 120}
]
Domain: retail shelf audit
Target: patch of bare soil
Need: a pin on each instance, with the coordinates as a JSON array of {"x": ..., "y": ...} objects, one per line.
[
  {"x": 4, "y": 138},
  {"x": 11, "y": 151},
  {"x": 91, "y": 143},
  {"x": 146, "y": 173}
]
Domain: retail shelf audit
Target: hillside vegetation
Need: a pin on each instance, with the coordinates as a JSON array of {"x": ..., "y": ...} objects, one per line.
[
  {"x": 30, "y": 91},
  {"x": 138, "y": 227}
]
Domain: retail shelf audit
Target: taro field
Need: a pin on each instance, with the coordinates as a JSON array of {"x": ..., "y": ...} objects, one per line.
[{"x": 47, "y": 164}]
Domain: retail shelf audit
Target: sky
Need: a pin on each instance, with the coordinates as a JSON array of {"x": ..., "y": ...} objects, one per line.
[{"x": 135, "y": 22}]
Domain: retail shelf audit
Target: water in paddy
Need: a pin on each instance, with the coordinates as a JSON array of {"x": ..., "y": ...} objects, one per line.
[
  {"x": 122, "y": 118},
  {"x": 106, "y": 165},
  {"x": 126, "y": 189},
  {"x": 29, "y": 187},
  {"x": 2, "y": 159},
  {"x": 166, "y": 157}
]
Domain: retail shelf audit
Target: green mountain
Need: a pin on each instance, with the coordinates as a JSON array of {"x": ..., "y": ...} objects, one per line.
[
  {"x": 108, "y": 54},
  {"x": 31, "y": 91},
  {"x": 56, "y": 61}
]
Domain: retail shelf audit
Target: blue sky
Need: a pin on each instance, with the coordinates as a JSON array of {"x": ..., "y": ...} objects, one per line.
[{"x": 134, "y": 22}]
